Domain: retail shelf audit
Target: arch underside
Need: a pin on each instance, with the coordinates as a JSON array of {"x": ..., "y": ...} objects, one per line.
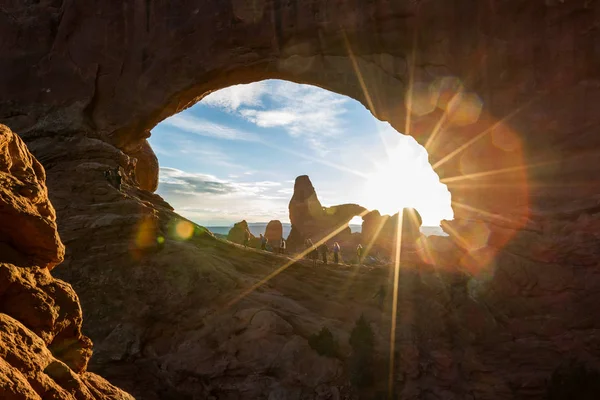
[{"x": 83, "y": 84}]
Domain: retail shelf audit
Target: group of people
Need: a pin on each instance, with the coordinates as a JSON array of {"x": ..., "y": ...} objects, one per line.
[
  {"x": 264, "y": 242},
  {"x": 313, "y": 252}
]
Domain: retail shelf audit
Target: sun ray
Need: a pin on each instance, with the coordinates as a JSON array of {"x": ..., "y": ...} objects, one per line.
[
  {"x": 288, "y": 264},
  {"x": 456, "y": 237},
  {"x": 436, "y": 130},
  {"x": 470, "y": 142},
  {"x": 532, "y": 184},
  {"x": 358, "y": 73},
  {"x": 395, "y": 304},
  {"x": 317, "y": 160},
  {"x": 486, "y": 213},
  {"x": 367, "y": 249},
  {"x": 497, "y": 171},
  {"x": 411, "y": 82}
]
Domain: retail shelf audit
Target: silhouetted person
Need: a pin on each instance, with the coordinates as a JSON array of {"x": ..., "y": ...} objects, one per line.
[
  {"x": 308, "y": 244},
  {"x": 263, "y": 242},
  {"x": 118, "y": 178},
  {"x": 324, "y": 252},
  {"x": 359, "y": 253},
  {"x": 336, "y": 253},
  {"x": 113, "y": 176},
  {"x": 282, "y": 246},
  {"x": 314, "y": 252},
  {"x": 246, "y": 238}
]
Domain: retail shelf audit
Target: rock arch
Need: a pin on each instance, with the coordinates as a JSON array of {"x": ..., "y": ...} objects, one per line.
[
  {"x": 84, "y": 82},
  {"x": 117, "y": 71}
]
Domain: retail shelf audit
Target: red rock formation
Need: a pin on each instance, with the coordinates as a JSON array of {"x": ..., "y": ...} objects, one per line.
[
  {"x": 146, "y": 167},
  {"x": 43, "y": 353},
  {"x": 382, "y": 230},
  {"x": 237, "y": 234},
  {"x": 274, "y": 232},
  {"x": 310, "y": 220},
  {"x": 504, "y": 95},
  {"x": 28, "y": 220}
]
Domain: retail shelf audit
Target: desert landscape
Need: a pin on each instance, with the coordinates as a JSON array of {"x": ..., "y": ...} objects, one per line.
[{"x": 111, "y": 294}]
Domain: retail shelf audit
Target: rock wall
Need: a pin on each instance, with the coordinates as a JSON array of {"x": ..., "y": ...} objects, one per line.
[
  {"x": 503, "y": 95},
  {"x": 310, "y": 220},
  {"x": 43, "y": 353}
]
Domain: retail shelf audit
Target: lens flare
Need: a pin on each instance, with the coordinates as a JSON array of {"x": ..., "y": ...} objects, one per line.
[{"x": 184, "y": 230}]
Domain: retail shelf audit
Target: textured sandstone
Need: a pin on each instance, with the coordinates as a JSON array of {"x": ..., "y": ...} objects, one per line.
[
  {"x": 310, "y": 220},
  {"x": 84, "y": 82},
  {"x": 237, "y": 234},
  {"x": 28, "y": 227},
  {"x": 274, "y": 232},
  {"x": 43, "y": 353}
]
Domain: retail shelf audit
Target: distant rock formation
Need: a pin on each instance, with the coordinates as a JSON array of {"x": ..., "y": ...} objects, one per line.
[
  {"x": 381, "y": 230},
  {"x": 237, "y": 233},
  {"x": 311, "y": 220},
  {"x": 274, "y": 232},
  {"x": 146, "y": 167},
  {"x": 43, "y": 352}
]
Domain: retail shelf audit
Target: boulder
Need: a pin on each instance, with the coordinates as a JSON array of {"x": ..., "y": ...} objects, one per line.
[
  {"x": 274, "y": 232},
  {"x": 237, "y": 234},
  {"x": 43, "y": 353},
  {"x": 28, "y": 219},
  {"x": 146, "y": 166}
]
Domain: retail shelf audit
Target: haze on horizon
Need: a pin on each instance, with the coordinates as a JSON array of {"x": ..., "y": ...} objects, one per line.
[{"x": 235, "y": 155}]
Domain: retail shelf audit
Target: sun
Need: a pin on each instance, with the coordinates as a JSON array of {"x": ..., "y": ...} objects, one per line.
[{"x": 406, "y": 179}]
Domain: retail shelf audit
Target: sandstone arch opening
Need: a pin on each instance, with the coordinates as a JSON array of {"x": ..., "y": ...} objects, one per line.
[
  {"x": 235, "y": 155},
  {"x": 83, "y": 88}
]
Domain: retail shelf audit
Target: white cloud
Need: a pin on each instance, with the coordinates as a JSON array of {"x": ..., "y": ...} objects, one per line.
[
  {"x": 219, "y": 199},
  {"x": 232, "y": 97},
  {"x": 206, "y": 128},
  {"x": 269, "y": 119},
  {"x": 303, "y": 111}
]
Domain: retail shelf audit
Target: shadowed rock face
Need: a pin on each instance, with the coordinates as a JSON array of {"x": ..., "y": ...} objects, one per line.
[
  {"x": 237, "y": 234},
  {"x": 310, "y": 220},
  {"x": 28, "y": 227},
  {"x": 505, "y": 93},
  {"x": 274, "y": 232},
  {"x": 43, "y": 353},
  {"x": 382, "y": 230}
]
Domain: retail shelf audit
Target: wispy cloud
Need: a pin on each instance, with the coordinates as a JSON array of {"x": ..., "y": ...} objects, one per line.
[
  {"x": 177, "y": 181},
  {"x": 203, "y": 127},
  {"x": 303, "y": 111},
  {"x": 221, "y": 199},
  {"x": 232, "y": 97}
]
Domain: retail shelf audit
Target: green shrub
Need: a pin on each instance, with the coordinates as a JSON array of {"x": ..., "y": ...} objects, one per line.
[
  {"x": 362, "y": 341},
  {"x": 324, "y": 343},
  {"x": 574, "y": 380}
]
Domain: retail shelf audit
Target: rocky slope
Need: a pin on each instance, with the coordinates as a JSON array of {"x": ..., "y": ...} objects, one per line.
[{"x": 43, "y": 353}]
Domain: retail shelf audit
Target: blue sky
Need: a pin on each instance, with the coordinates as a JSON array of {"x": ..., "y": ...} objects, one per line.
[{"x": 235, "y": 156}]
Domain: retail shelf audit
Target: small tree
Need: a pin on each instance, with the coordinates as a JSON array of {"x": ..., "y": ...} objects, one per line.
[
  {"x": 362, "y": 341},
  {"x": 324, "y": 343}
]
